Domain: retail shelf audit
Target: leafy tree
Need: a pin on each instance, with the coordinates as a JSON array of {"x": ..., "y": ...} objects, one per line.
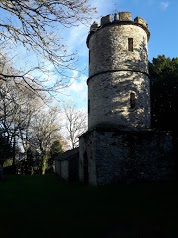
[
  {"x": 7, "y": 163},
  {"x": 164, "y": 92},
  {"x": 56, "y": 148}
]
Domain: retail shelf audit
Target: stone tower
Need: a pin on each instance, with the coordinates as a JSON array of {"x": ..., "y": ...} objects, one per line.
[
  {"x": 118, "y": 83},
  {"x": 120, "y": 146}
]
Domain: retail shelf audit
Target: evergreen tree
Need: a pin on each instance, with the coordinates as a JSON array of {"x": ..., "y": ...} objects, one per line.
[{"x": 164, "y": 92}]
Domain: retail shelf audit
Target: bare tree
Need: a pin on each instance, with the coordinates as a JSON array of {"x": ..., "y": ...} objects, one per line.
[
  {"x": 37, "y": 26},
  {"x": 75, "y": 123},
  {"x": 44, "y": 131},
  {"x": 18, "y": 105}
]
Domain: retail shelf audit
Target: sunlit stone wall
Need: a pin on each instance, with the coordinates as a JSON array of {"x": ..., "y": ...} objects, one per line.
[
  {"x": 115, "y": 72},
  {"x": 109, "y": 96}
]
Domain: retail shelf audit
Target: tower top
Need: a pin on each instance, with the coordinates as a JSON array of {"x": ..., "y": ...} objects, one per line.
[{"x": 120, "y": 18}]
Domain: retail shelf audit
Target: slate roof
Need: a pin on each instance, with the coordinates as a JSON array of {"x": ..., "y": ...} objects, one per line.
[{"x": 67, "y": 154}]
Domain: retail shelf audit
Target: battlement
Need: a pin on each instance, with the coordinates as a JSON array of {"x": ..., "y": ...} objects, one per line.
[{"x": 119, "y": 18}]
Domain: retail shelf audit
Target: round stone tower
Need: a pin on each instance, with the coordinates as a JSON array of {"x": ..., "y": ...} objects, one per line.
[{"x": 118, "y": 83}]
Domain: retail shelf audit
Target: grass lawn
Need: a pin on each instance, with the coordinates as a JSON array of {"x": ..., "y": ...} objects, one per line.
[{"x": 43, "y": 206}]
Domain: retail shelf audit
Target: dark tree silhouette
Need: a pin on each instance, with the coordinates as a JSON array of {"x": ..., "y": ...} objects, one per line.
[
  {"x": 5, "y": 150},
  {"x": 164, "y": 92}
]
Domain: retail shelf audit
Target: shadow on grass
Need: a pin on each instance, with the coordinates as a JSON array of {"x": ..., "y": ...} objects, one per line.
[{"x": 43, "y": 206}]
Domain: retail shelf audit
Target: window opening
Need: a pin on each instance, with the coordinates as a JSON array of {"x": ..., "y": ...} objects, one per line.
[
  {"x": 89, "y": 56},
  {"x": 132, "y": 100},
  {"x": 130, "y": 44},
  {"x": 89, "y": 106}
]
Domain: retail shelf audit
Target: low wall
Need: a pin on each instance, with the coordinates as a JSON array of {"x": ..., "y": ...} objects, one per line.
[
  {"x": 116, "y": 156},
  {"x": 67, "y": 165}
]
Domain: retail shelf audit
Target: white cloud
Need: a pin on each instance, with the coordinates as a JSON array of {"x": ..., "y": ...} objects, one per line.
[
  {"x": 77, "y": 38},
  {"x": 164, "y": 5},
  {"x": 77, "y": 91}
]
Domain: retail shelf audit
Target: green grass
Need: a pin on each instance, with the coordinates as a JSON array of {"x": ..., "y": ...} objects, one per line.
[{"x": 43, "y": 206}]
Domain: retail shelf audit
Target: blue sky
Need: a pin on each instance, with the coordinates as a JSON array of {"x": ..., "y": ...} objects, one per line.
[
  {"x": 162, "y": 19},
  {"x": 161, "y": 16}
]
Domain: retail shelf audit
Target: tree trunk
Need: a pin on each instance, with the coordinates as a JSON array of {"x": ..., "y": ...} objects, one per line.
[
  {"x": 13, "y": 156},
  {"x": 1, "y": 172},
  {"x": 44, "y": 163}
]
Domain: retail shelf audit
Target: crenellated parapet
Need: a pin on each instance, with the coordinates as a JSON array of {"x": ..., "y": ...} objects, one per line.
[
  {"x": 118, "y": 82},
  {"x": 120, "y": 18},
  {"x": 120, "y": 146}
]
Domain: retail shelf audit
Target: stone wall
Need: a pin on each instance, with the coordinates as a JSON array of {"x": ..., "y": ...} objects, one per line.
[
  {"x": 64, "y": 169},
  {"x": 109, "y": 49},
  {"x": 67, "y": 165},
  {"x": 109, "y": 99},
  {"x": 128, "y": 156},
  {"x": 87, "y": 166},
  {"x": 115, "y": 72},
  {"x": 57, "y": 167}
]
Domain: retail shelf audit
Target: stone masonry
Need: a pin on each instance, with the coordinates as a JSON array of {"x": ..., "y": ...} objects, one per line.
[
  {"x": 115, "y": 72},
  {"x": 120, "y": 146},
  {"x": 116, "y": 156}
]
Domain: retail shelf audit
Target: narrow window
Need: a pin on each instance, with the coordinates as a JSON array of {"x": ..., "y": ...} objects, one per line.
[
  {"x": 89, "y": 106},
  {"x": 89, "y": 56},
  {"x": 130, "y": 44},
  {"x": 132, "y": 100}
]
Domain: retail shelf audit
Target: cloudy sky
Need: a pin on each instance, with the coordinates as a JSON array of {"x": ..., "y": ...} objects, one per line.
[{"x": 162, "y": 19}]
